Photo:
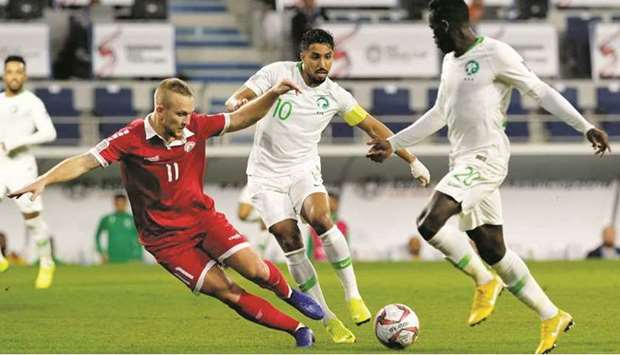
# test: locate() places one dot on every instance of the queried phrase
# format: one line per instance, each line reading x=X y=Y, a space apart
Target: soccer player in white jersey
x=478 y=76
x=284 y=169
x=24 y=121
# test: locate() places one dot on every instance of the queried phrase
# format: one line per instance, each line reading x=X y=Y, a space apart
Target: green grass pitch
x=142 y=309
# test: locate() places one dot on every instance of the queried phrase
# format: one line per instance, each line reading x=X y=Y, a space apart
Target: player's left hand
x=599 y=140
x=380 y=150
x=285 y=86
x=36 y=188
x=420 y=172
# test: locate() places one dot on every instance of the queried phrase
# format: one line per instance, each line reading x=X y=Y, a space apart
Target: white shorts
x=279 y=198
x=16 y=173
x=475 y=182
x=245 y=196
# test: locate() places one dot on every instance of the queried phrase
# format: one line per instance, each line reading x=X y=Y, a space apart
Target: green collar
x=476 y=42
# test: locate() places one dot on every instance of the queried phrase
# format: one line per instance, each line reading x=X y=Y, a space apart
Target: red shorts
x=190 y=259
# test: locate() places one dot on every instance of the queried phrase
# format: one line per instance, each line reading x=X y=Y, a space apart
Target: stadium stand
x=114 y=106
x=60 y=105
x=210 y=47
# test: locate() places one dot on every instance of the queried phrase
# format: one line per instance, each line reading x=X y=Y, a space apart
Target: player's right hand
x=380 y=150
x=36 y=188
x=285 y=86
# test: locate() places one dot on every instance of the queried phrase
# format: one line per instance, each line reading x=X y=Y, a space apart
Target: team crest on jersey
x=13 y=109
x=322 y=103
x=472 y=67
x=189 y=146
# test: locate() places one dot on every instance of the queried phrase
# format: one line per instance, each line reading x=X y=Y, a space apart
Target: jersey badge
x=472 y=67
x=189 y=146
x=322 y=103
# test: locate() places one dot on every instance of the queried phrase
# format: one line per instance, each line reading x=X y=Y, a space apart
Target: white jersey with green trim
x=474 y=94
x=25 y=122
x=287 y=138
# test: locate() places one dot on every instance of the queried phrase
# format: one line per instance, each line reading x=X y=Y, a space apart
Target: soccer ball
x=396 y=326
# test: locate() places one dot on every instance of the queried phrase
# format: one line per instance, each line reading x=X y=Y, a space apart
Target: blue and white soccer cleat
x=304 y=337
x=306 y=305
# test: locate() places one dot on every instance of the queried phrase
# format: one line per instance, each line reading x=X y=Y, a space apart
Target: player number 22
x=173 y=172
x=468 y=177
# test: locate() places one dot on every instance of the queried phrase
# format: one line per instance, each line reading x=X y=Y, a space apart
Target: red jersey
x=164 y=181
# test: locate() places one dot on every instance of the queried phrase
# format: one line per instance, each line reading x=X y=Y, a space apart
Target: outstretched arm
x=429 y=123
x=252 y=112
x=239 y=98
x=256 y=85
x=66 y=170
x=511 y=69
x=378 y=132
x=552 y=101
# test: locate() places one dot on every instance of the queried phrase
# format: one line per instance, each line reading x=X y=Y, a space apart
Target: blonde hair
x=175 y=85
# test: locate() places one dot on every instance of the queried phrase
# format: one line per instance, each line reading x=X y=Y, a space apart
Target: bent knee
x=430 y=223
x=287 y=235
x=321 y=222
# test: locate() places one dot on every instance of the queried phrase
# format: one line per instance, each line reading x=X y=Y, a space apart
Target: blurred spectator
x=415 y=8
x=314 y=246
x=123 y=245
x=74 y=59
x=608 y=249
x=527 y=9
x=414 y=247
x=476 y=11
x=307 y=15
x=12 y=257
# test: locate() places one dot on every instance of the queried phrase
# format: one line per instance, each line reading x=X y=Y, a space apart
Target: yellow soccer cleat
x=485 y=297
x=45 y=277
x=358 y=310
x=550 y=331
x=4 y=264
x=339 y=333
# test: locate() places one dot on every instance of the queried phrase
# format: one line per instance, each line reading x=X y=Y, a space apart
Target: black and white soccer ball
x=396 y=326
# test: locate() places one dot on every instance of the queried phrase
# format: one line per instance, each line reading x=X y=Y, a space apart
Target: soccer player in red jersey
x=162 y=160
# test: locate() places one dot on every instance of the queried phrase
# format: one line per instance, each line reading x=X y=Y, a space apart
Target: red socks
x=260 y=311
x=277 y=283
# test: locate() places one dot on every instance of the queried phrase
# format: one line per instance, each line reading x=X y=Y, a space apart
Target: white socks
x=454 y=244
x=339 y=256
x=37 y=228
x=305 y=276
x=516 y=275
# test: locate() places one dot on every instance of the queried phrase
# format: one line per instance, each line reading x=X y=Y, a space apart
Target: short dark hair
x=453 y=11
x=15 y=58
x=120 y=196
x=316 y=35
